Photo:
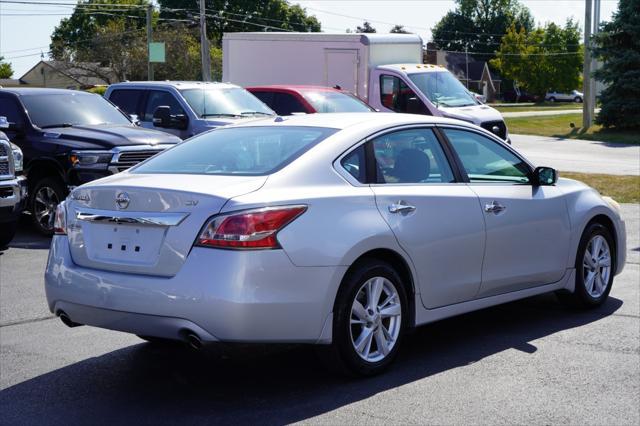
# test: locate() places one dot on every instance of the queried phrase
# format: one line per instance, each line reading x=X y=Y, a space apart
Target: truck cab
x=185 y=108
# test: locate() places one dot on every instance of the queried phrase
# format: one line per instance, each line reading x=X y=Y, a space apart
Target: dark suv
x=68 y=138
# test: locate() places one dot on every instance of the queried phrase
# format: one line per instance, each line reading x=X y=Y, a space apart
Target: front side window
x=396 y=95
x=161 y=98
x=224 y=102
x=485 y=160
x=71 y=109
x=248 y=151
x=411 y=156
x=9 y=109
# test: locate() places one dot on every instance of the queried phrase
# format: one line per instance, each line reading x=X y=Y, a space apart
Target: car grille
x=502 y=128
x=127 y=159
x=5 y=151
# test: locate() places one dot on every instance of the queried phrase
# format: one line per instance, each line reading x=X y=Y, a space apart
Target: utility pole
x=149 y=40
x=204 y=44
x=587 y=106
x=466 y=58
x=594 y=63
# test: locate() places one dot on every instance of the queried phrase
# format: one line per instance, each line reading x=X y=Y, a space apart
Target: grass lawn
x=558 y=126
x=623 y=189
x=542 y=106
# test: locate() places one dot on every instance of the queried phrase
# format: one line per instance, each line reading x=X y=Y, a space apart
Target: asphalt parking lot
x=531 y=361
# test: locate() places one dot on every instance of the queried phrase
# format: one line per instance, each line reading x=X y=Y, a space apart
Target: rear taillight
x=249 y=229
x=60 y=222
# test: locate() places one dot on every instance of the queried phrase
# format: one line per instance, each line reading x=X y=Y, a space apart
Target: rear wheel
x=47 y=194
x=595 y=262
x=370 y=315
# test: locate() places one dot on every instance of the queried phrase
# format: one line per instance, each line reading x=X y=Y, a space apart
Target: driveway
x=573 y=155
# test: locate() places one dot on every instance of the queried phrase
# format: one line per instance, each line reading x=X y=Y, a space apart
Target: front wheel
x=577 y=99
x=552 y=99
x=370 y=315
x=595 y=262
x=47 y=194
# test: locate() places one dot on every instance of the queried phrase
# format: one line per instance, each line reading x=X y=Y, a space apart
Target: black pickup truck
x=69 y=138
x=13 y=187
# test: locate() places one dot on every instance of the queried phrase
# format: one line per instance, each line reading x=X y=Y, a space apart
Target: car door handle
x=401 y=207
x=494 y=207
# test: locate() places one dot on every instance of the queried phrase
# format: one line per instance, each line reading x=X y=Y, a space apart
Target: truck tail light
x=249 y=229
x=60 y=222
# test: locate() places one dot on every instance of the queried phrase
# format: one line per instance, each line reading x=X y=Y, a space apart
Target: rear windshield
x=237 y=151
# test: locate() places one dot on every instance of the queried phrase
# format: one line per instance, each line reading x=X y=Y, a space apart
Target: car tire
x=577 y=99
x=595 y=268
x=7 y=232
x=376 y=332
x=552 y=99
x=47 y=193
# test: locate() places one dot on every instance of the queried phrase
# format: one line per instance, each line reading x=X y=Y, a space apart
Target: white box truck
x=385 y=70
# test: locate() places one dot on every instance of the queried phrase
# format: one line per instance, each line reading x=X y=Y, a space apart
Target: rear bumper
x=225 y=295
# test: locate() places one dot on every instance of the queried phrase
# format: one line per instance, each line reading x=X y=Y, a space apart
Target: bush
x=98 y=89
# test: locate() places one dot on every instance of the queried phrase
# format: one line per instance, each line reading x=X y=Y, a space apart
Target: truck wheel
x=7 y=231
x=46 y=195
x=552 y=99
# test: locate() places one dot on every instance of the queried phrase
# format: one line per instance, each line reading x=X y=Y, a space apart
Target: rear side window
x=127 y=100
x=241 y=151
x=161 y=98
x=266 y=97
x=286 y=104
x=354 y=163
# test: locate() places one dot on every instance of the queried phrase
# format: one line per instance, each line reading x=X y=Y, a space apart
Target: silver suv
x=186 y=108
x=13 y=189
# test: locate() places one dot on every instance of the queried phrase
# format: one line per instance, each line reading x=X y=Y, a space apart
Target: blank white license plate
x=126 y=244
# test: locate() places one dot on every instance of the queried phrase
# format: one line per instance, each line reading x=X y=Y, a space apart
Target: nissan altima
x=340 y=230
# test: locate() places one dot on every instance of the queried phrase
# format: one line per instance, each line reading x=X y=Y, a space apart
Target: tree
x=365 y=28
x=478 y=25
x=618 y=47
x=544 y=59
x=399 y=29
x=242 y=15
x=5 y=68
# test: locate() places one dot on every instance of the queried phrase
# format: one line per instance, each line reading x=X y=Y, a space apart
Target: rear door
x=527 y=226
x=435 y=217
x=341 y=69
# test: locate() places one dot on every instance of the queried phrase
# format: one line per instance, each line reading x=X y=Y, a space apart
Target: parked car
x=287 y=100
x=573 y=96
x=384 y=70
x=342 y=230
x=186 y=108
x=13 y=187
x=69 y=138
x=519 y=96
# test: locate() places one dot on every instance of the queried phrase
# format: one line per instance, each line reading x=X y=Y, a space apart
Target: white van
x=384 y=70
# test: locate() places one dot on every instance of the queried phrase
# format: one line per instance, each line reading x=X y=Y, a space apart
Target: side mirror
x=12 y=127
x=545 y=176
x=162 y=116
x=4 y=123
x=180 y=121
x=414 y=105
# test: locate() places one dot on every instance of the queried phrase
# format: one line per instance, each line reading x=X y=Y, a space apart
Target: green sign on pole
x=156 y=52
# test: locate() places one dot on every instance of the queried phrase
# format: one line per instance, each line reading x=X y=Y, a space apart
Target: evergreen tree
x=618 y=47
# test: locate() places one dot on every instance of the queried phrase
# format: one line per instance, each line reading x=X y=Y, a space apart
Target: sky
x=25 y=29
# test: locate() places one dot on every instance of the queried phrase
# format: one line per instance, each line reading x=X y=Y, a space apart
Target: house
x=68 y=75
x=471 y=72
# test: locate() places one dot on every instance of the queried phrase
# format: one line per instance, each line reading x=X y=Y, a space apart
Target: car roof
x=295 y=88
x=175 y=84
x=22 y=91
x=345 y=120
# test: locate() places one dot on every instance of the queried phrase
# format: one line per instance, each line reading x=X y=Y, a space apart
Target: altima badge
x=122 y=200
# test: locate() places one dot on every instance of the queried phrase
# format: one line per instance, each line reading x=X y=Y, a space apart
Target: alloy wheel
x=375 y=321
x=596 y=266
x=45 y=202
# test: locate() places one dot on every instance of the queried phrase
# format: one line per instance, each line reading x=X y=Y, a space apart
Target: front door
x=528 y=228
x=436 y=220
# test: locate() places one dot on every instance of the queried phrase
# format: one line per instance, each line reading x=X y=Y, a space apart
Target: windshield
x=244 y=151
x=325 y=101
x=232 y=102
x=443 y=89
x=71 y=109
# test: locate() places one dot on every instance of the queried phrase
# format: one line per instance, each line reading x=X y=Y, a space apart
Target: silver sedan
x=341 y=230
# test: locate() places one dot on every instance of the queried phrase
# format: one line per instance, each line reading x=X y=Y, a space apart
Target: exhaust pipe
x=194 y=341
x=67 y=321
